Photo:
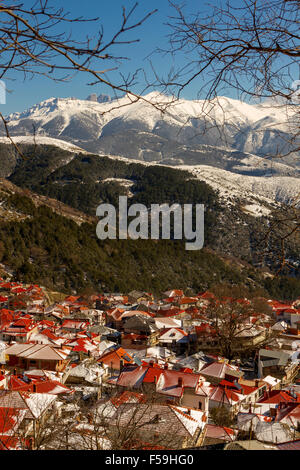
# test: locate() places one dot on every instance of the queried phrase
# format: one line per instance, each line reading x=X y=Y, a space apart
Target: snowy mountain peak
x=162 y=128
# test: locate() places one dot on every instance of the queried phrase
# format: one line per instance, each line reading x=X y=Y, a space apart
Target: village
x=115 y=371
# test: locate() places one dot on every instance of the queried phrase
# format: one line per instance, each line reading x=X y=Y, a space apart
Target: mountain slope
x=266 y=190
x=41 y=246
x=235 y=223
x=160 y=130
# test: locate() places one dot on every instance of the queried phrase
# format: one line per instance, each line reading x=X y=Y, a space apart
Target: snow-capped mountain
x=161 y=128
x=225 y=142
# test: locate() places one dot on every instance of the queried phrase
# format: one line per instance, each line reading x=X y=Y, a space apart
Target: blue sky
x=22 y=94
x=152 y=34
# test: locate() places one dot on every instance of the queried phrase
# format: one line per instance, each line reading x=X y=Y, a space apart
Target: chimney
x=166 y=367
x=151 y=363
x=179 y=381
x=34 y=388
x=256 y=383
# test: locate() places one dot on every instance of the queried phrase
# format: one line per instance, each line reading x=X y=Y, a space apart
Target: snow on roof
x=167 y=322
x=37 y=351
x=188 y=421
x=173 y=334
x=272 y=432
x=220 y=432
x=269 y=379
x=89 y=373
x=132 y=377
x=173 y=382
x=39 y=402
x=160 y=351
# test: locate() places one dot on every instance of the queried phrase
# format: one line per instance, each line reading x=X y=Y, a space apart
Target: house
x=218 y=434
x=46 y=336
x=108 y=408
x=141 y=325
x=289 y=414
x=273 y=432
x=167 y=322
x=42 y=356
x=82 y=348
x=272 y=382
x=272 y=400
x=279 y=327
x=107 y=334
x=29 y=383
x=187 y=302
x=176 y=339
x=218 y=371
x=247 y=422
x=237 y=395
x=134 y=341
x=195 y=362
x=3 y=346
x=174 y=293
x=35 y=407
x=184 y=388
x=223 y=397
x=19 y=330
x=165 y=385
x=166 y=426
x=115 y=359
x=142 y=378
x=87 y=374
x=137 y=296
x=280 y=364
x=74 y=325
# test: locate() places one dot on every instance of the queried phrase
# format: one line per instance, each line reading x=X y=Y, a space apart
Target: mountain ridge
x=259 y=129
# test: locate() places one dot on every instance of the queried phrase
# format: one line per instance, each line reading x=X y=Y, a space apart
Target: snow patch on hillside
x=267 y=191
x=256 y=210
x=42 y=140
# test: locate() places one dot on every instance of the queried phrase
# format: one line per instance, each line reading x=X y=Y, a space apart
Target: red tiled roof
x=220 y=432
x=9 y=418
x=153 y=373
x=223 y=395
x=188 y=300
x=279 y=396
x=173 y=382
x=115 y=356
x=16 y=382
x=127 y=397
